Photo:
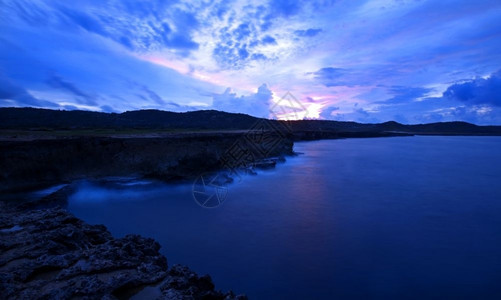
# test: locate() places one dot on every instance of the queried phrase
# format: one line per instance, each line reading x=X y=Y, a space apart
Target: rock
x=265 y=164
x=50 y=254
x=182 y=283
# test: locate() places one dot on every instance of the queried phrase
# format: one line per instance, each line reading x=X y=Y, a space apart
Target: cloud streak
x=57 y=82
x=14 y=95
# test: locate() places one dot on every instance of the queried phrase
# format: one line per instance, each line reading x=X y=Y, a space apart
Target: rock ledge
x=50 y=254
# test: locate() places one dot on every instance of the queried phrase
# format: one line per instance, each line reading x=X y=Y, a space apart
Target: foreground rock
x=50 y=254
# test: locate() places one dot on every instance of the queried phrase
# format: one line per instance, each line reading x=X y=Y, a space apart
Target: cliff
x=29 y=163
x=49 y=254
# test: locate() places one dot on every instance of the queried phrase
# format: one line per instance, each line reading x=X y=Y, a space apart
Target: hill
x=33 y=118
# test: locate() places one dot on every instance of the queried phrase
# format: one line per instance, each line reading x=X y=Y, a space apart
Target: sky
x=410 y=61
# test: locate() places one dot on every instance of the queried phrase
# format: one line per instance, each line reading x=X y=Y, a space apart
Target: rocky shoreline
x=47 y=253
x=50 y=254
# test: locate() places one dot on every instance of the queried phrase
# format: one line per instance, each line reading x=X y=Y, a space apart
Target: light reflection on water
x=381 y=218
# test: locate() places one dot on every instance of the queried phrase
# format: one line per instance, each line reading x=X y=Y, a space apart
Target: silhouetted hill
x=26 y=118
x=395 y=127
x=32 y=118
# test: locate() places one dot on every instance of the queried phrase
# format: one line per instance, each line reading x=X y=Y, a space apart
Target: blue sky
x=366 y=61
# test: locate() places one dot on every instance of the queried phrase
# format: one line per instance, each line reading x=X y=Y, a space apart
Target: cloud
x=259 y=31
x=257 y=104
x=147 y=25
x=477 y=114
x=327 y=112
x=82 y=97
x=477 y=91
x=403 y=94
x=153 y=96
x=237 y=45
x=333 y=77
x=14 y=95
x=475 y=101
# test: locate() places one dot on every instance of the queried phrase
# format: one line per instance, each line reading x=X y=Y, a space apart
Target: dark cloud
x=14 y=95
x=327 y=112
x=477 y=91
x=153 y=96
x=82 y=97
x=308 y=32
x=404 y=94
x=257 y=104
x=142 y=97
x=333 y=77
x=361 y=111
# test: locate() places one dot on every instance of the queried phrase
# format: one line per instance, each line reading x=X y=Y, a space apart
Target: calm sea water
x=380 y=218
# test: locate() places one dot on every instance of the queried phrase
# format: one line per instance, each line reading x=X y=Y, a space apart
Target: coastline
x=42 y=162
x=46 y=252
